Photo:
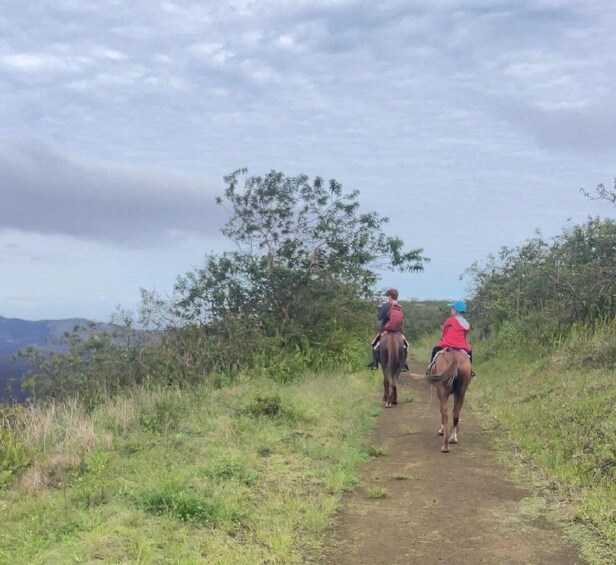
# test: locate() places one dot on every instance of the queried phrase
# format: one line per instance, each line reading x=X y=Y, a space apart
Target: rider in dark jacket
x=383 y=315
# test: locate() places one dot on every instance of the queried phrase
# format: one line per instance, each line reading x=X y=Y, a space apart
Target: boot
x=405 y=367
x=374 y=364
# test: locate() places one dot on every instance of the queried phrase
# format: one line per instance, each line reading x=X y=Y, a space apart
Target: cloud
x=37 y=63
x=44 y=191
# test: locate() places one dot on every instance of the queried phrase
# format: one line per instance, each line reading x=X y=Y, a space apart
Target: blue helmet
x=458 y=305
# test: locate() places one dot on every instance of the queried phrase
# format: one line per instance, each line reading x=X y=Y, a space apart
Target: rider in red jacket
x=455 y=331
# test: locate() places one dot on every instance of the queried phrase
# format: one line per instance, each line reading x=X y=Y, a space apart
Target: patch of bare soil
x=460 y=507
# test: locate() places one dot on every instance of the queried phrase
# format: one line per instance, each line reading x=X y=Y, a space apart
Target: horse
x=391 y=357
x=451 y=374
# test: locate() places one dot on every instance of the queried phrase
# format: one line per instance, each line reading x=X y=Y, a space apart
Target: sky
x=470 y=124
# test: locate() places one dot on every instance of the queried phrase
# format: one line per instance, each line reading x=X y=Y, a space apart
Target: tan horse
x=451 y=374
x=391 y=357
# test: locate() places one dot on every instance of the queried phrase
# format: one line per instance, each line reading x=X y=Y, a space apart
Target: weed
x=268 y=406
x=14 y=456
x=237 y=469
x=377 y=492
x=162 y=416
x=378 y=450
x=184 y=504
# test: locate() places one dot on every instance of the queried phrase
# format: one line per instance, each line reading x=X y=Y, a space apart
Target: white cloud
x=213 y=52
x=34 y=62
x=499 y=107
x=111 y=54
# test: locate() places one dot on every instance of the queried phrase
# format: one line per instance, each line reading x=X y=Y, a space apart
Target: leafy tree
x=549 y=285
x=423 y=317
x=306 y=261
x=301 y=278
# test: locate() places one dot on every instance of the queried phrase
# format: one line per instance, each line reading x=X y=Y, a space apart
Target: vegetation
x=559 y=413
x=423 y=317
x=547 y=312
x=602 y=193
x=543 y=288
x=296 y=295
x=214 y=434
x=250 y=473
x=226 y=428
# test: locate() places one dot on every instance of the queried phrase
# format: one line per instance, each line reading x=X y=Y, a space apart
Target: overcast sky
x=468 y=123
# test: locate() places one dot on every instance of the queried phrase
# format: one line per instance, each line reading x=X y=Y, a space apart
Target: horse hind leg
x=457 y=407
x=443 y=407
x=393 y=387
x=386 y=391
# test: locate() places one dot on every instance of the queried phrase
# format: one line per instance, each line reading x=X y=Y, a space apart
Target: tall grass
x=250 y=473
x=560 y=411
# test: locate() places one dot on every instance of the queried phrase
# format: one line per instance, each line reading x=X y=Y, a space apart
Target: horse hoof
x=444 y=450
x=453 y=440
x=395 y=402
x=387 y=405
x=441 y=433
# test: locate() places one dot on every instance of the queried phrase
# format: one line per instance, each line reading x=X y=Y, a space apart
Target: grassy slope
x=251 y=473
x=563 y=422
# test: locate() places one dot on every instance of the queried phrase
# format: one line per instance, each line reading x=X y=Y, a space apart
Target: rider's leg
x=405 y=367
x=374 y=364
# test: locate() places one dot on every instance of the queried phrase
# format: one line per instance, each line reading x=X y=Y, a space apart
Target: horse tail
x=394 y=358
x=447 y=376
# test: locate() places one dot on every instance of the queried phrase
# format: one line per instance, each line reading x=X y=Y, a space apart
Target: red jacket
x=455 y=330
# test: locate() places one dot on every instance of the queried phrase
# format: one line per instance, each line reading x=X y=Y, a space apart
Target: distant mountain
x=16 y=334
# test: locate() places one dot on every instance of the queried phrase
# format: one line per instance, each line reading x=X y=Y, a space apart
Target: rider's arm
x=383 y=313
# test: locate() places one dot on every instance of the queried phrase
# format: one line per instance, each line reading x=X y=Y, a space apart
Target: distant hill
x=16 y=334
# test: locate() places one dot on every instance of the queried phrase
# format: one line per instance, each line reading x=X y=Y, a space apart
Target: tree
x=602 y=193
x=570 y=279
x=306 y=259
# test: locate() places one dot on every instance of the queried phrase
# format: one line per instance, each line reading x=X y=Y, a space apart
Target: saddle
x=460 y=350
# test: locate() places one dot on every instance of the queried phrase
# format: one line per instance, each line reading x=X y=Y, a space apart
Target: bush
x=589 y=345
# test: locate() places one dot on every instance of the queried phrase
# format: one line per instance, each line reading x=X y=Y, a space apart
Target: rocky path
x=456 y=508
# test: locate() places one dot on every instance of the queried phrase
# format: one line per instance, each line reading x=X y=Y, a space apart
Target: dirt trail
x=456 y=508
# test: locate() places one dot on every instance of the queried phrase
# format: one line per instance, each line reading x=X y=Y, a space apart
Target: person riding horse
x=391 y=317
x=455 y=332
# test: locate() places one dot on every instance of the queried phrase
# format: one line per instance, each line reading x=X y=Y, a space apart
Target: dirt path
x=460 y=507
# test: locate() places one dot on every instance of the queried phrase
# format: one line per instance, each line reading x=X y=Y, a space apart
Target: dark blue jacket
x=383 y=313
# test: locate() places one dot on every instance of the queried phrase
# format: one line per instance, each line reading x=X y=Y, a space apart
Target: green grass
x=247 y=474
x=377 y=492
x=561 y=419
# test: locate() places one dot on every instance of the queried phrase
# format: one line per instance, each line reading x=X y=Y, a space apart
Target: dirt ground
x=461 y=507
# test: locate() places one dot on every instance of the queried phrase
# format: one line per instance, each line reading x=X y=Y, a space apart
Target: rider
x=455 y=331
x=390 y=315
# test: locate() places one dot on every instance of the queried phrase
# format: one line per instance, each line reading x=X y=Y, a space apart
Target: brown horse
x=391 y=357
x=451 y=374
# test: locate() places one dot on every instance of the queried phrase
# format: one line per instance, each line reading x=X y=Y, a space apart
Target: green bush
x=589 y=345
